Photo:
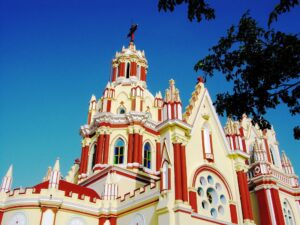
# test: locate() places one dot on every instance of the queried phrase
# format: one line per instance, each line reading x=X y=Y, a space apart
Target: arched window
x=165 y=176
x=287 y=213
x=117 y=71
x=138 y=70
x=251 y=154
x=94 y=156
x=207 y=143
x=121 y=110
x=147 y=155
x=274 y=156
x=128 y=70
x=119 y=152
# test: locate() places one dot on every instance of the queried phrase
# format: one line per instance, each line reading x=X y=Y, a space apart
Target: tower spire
x=7 y=180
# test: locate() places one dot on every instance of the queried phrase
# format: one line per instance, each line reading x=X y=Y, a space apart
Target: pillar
x=108 y=105
x=113 y=220
x=133 y=68
x=84 y=159
x=277 y=207
x=135 y=147
x=244 y=195
x=193 y=200
x=140 y=150
x=1 y=216
x=133 y=104
x=106 y=148
x=99 y=150
x=267 y=150
x=158 y=156
x=130 y=148
x=122 y=69
x=101 y=220
x=143 y=73
x=177 y=170
x=233 y=213
x=159 y=114
x=114 y=74
x=264 y=210
x=183 y=173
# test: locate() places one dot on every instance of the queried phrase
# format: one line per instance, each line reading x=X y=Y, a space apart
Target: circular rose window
x=212 y=195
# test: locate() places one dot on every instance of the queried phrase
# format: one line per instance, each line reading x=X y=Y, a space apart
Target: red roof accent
x=69 y=187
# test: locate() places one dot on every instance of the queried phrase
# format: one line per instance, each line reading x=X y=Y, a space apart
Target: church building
x=146 y=160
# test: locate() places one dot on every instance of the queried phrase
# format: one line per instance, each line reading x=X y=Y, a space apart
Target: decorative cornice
x=113 y=119
x=172 y=123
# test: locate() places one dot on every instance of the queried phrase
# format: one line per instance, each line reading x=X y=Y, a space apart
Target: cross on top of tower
x=132 y=30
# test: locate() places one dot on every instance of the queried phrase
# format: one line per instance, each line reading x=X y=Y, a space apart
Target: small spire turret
x=286 y=164
x=92 y=108
x=48 y=173
x=7 y=180
x=55 y=176
x=172 y=105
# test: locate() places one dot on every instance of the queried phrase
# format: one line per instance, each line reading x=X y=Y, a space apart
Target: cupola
x=129 y=66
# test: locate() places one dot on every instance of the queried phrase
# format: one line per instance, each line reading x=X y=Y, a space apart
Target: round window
x=210 y=179
x=223 y=199
x=218 y=187
x=205 y=205
x=213 y=213
x=221 y=210
x=200 y=192
x=212 y=196
x=203 y=181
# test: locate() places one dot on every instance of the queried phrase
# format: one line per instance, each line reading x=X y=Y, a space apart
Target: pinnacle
x=93 y=98
x=9 y=171
x=56 y=166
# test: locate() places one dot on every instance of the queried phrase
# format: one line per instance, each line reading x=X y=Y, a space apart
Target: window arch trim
x=215 y=172
x=119 y=151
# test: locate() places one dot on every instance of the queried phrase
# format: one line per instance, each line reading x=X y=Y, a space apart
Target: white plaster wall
x=64 y=218
x=33 y=216
x=150 y=218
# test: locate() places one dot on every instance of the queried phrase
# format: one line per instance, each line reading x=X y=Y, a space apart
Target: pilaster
x=241 y=172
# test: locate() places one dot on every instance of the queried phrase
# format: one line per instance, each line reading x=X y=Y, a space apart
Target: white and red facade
x=144 y=160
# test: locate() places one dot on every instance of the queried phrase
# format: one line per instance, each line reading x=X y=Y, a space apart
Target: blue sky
x=55 y=54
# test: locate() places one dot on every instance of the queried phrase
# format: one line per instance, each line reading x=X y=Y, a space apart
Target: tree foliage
x=196 y=9
x=282 y=7
x=262 y=64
